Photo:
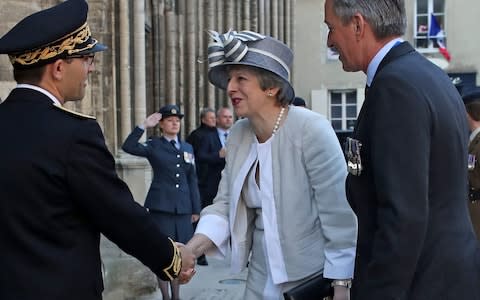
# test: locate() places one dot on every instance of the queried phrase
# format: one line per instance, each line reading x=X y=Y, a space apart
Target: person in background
x=407 y=183
x=197 y=138
x=281 y=203
x=208 y=121
x=299 y=102
x=173 y=199
x=472 y=105
x=58 y=186
x=210 y=155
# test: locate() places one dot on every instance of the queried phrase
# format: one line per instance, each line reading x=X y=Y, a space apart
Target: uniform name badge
x=352 y=153
x=188 y=157
x=471 y=161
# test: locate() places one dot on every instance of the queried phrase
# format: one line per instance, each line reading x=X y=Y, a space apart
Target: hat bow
x=230 y=46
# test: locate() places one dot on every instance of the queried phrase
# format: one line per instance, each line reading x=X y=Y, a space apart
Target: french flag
x=436 y=33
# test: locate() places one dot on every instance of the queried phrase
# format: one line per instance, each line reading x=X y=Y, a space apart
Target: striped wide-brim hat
x=251 y=49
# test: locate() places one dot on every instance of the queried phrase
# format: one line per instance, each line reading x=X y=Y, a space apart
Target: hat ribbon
x=230 y=46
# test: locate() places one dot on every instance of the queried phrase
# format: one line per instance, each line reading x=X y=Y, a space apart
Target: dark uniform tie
x=174 y=143
x=366 y=90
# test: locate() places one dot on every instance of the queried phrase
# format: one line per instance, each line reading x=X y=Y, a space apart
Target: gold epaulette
x=173 y=270
x=73 y=112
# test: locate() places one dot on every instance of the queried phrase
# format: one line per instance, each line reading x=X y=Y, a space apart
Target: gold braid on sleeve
x=173 y=270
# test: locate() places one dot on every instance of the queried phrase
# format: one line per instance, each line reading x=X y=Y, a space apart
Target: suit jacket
x=311 y=209
x=174 y=186
x=58 y=192
x=415 y=239
x=210 y=164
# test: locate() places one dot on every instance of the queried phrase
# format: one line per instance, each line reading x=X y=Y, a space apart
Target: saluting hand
x=152 y=120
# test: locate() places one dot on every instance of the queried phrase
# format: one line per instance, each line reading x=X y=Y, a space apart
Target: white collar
x=41 y=90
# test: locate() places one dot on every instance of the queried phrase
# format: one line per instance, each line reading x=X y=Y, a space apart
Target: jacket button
x=178 y=165
x=177 y=186
x=178 y=155
x=177 y=175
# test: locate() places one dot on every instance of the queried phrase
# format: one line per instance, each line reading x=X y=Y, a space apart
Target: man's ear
x=57 y=69
x=358 y=23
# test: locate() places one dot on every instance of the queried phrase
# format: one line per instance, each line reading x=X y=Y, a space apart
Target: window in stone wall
x=429 y=25
x=343 y=109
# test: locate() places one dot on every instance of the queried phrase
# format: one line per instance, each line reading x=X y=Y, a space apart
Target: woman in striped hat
x=281 y=203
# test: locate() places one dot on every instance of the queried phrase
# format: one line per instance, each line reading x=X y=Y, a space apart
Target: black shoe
x=202 y=261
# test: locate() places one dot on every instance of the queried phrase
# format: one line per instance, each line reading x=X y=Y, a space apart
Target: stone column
x=139 y=60
x=125 y=84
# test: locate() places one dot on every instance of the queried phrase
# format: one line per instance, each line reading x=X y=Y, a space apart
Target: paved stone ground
x=212 y=282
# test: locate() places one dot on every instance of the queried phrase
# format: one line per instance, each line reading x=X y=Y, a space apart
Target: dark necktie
x=174 y=143
x=366 y=90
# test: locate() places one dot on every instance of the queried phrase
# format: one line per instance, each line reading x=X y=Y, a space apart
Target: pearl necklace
x=277 y=123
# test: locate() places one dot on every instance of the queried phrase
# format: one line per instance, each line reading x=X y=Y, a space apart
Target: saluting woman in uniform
x=173 y=198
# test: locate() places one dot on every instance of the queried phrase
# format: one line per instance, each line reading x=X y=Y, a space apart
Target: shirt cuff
x=216 y=229
x=339 y=263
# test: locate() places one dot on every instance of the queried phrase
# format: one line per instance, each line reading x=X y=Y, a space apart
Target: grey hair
x=386 y=17
x=267 y=80
x=204 y=111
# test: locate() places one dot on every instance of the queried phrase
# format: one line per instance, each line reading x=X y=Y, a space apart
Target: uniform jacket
x=174 y=186
x=58 y=192
x=474 y=175
x=211 y=164
x=415 y=238
x=308 y=185
x=474 y=182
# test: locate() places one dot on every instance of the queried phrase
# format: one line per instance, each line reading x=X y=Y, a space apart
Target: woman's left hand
x=195 y=218
x=341 y=293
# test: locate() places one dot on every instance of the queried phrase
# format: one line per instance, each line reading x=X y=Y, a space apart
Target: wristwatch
x=342 y=282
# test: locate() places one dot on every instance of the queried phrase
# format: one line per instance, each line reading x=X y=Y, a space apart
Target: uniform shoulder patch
x=73 y=112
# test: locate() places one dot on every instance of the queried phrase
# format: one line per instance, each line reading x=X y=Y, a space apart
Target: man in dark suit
x=58 y=185
x=208 y=121
x=407 y=160
x=196 y=138
x=210 y=156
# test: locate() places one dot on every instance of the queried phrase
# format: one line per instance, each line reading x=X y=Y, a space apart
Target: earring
x=270 y=94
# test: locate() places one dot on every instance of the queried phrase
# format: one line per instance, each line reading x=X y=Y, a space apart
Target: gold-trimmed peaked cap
x=50 y=34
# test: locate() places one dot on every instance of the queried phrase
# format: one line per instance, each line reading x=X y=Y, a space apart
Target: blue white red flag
x=436 y=33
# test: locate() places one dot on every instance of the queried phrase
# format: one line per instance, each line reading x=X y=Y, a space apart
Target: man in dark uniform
x=58 y=185
x=407 y=161
x=472 y=105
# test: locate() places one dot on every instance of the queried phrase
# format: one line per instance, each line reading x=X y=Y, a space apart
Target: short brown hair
x=473 y=109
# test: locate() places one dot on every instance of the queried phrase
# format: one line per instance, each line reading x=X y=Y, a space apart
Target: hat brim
x=171 y=115
x=218 y=76
x=97 y=48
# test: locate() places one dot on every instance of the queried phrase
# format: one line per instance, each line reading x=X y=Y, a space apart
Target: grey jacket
x=312 y=212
